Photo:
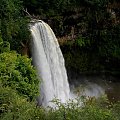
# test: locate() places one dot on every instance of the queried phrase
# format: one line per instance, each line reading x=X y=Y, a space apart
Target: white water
x=49 y=61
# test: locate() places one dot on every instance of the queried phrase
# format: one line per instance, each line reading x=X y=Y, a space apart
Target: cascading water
x=48 y=59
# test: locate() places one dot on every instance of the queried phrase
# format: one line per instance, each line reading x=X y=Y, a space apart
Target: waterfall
x=49 y=62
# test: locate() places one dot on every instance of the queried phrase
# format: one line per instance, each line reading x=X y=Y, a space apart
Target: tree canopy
x=13 y=23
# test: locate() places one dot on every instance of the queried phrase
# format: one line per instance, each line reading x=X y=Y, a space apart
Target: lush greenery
x=13 y=23
x=16 y=72
x=18 y=84
x=15 y=107
x=93 y=29
x=93 y=25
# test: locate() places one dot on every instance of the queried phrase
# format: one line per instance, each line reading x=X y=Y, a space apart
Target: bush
x=4 y=46
x=16 y=107
x=17 y=72
x=91 y=110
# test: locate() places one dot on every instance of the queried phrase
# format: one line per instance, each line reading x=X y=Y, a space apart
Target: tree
x=13 y=24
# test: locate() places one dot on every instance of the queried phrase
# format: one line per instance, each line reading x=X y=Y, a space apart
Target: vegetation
x=93 y=25
x=17 y=107
x=13 y=23
x=93 y=28
x=16 y=72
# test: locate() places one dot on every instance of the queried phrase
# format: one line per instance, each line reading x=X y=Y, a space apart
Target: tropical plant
x=17 y=72
x=13 y=23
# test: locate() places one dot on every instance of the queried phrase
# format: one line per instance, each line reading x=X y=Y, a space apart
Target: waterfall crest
x=49 y=62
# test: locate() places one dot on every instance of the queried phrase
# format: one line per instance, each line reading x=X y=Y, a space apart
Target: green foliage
x=96 y=30
x=17 y=72
x=97 y=47
x=4 y=46
x=14 y=106
x=81 y=41
x=90 y=109
x=116 y=109
x=82 y=59
x=111 y=39
x=13 y=25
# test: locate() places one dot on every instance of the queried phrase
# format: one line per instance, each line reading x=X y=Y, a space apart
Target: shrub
x=17 y=72
x=16 y=107
x=90 y=110
x=4 y=46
